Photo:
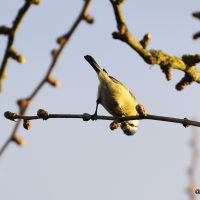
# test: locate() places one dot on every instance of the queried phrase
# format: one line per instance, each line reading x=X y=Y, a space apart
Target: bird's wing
x=117 y=110
x=116 y=81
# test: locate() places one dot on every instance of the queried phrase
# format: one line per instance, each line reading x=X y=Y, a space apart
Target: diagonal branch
x=62 y=41
x=186 y=64
x=10 y=52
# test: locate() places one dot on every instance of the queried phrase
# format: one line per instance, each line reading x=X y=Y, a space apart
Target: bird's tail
x=93 y=63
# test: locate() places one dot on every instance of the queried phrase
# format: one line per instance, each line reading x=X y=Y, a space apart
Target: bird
x=116 y=98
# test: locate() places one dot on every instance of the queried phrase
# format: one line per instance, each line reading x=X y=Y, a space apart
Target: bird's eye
x=132 y=125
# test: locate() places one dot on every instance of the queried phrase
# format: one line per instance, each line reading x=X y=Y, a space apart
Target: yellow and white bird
x=115 y=97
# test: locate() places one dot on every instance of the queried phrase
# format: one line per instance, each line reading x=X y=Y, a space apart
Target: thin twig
x=11 y=32
x=187 y=63
x=196 y=15
x=193 y=190
x=63 y=40
x=42 y=114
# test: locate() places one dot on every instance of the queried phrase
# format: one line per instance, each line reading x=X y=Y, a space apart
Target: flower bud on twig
x=18 y=139
x=16 y=56
x=89 y=19
x=185 y=81
x=53 y=82
x=36 y=2
x=141 y=110
x=54 y=53
x=43 y=114
x=23 y=103
x=27 y=124
x=10 y=115
x=62 y=40
x=4 y=30
x=146 y=40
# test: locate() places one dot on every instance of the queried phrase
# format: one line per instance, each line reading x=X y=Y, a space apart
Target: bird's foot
x=94 y=116
x=114 y=125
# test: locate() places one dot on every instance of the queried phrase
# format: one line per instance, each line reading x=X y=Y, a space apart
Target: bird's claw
x=114 y=125
x=94 y=116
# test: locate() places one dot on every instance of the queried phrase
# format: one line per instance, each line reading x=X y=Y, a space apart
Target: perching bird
x=115 y=97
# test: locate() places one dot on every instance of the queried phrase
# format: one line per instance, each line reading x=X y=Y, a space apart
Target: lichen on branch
x=186 y=63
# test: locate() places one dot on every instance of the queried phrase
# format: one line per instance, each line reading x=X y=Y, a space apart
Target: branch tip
x=10 y=115
x=53 y=82
x=196 y=35
x=18 y=140
x=196 y=14
x=35 y=2
x=191 y=60
x=117 y=35
x=4 y=74
x=27 y=124
x=117 y=2
x=4 y=30
x=16 y=56
x=89 y=19
x=183 y=83
x=146 y=40
x=167 y=71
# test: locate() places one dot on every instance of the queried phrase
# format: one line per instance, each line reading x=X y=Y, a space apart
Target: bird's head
x=129 y=127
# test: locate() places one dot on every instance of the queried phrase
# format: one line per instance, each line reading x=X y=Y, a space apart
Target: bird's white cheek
x=129 y=130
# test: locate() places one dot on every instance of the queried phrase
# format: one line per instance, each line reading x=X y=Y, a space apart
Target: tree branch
x=42 y=114
x=187 y=63
x=10 y=52
x=24 y=103
x=193 y=190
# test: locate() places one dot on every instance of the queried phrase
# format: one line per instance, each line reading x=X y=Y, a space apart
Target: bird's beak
x=93 y=63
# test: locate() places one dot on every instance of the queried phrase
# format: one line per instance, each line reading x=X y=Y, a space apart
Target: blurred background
x=73 y=159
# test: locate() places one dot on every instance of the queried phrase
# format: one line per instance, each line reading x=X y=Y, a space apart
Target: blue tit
x=115 y=97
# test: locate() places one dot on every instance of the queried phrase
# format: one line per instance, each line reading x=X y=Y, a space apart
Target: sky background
x=72 y=159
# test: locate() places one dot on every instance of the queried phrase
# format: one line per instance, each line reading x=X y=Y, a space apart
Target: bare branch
x=192 y=188
x=42 y=114
x=24 y=103
x=11 y=32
